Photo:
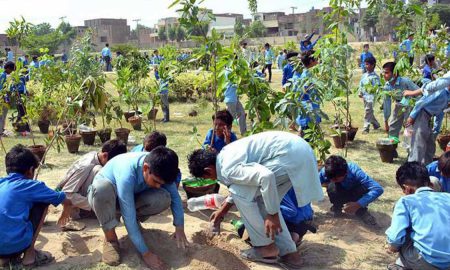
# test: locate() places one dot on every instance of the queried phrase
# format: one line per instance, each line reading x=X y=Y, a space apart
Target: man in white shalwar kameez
x=258 y=171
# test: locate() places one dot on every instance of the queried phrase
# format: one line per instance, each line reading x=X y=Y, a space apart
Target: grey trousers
x=369 y=116
x=102 y=197
x=237 y=111
x=165 y=106
x=397 y=119
x=423 y=145
x=411 y=259
x=253 y=213
x=4 y=114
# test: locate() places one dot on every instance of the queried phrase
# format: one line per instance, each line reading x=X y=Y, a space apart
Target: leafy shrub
x=191 y=85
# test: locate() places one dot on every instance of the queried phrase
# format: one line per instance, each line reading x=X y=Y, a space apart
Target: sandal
x=40 y=258
x=74 y=226
x=252 y=255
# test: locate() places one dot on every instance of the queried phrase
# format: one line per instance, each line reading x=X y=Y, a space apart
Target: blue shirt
x=10 y=56
x=125 y=172
x=290 y=210
x=368 y=78
x=156 y=60
x=363 y=57
x=268 y=56
x=304 y=47
x=106 y=52
x=427 y=72
x=218 y=143
x=400 y=85
x=425 y=218
x=230 y=94
x=288 y=72
x=163 y=87
x=309 y=100
x=406 y=46
x=17 y=196
x=21 y=86
x=355 y=177
x=438 y=84
x=433 y=104
x=280 y=60
x=433 y=170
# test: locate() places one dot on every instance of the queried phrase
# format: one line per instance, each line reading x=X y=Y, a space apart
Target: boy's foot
x=337 y=211
x=368 y=219
x=394 y=266
x=111 y=253
x=376 y=127
x=40 y=258
x=254 y=255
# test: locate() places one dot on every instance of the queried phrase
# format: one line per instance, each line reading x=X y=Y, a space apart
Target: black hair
x=244 y=44
x=10 y=65
x=254 y=64
x=225 y=116
x=335 y=166
x=114 y=148
x=267 y=45
x=390 y=66
x=291 y=54
x=107 y=44
x=199 y=160
x=307 y=57
x=412 y=173
x=20 y=159
x=154 y=139
x=366 y=45
x=444 y=164
x=163 y=162
x=429 y=58
x=155 y=51
x=371 y=60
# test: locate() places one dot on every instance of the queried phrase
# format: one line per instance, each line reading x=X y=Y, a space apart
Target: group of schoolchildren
x=270 y=186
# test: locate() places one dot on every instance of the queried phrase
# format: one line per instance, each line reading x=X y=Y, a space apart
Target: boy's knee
x=101 y=193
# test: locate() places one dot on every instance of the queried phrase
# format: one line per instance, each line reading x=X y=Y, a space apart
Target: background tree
x=17 y=31
x=172 y=32
x=239 y=27
x=443 y=11
x=256 y=29
x=370 y=20
x=162 y=35
x=43 y=36
x=181 y=33
x=42 y=29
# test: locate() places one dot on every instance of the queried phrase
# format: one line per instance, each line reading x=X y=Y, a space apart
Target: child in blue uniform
x=349 y=188
x=419 y=230
x=440 y=169
x=222 y=135
x=23 y=207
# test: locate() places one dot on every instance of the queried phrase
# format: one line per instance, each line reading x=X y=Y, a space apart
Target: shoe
x=376 y=127
x=337 y=211
x=368 y=219
x=111 y=253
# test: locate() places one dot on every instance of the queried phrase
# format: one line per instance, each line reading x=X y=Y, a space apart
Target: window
x=103 y=39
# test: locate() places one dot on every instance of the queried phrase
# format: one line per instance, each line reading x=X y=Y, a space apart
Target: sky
x=149 y=11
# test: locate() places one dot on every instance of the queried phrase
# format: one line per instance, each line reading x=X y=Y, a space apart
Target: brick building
x=112 y=31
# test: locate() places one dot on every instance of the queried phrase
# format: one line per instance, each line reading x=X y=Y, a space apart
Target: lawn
x=339 y=243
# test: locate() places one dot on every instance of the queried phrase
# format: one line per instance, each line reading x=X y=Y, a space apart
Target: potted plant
x=387 y=149
x=444 y=137
x=121 y=133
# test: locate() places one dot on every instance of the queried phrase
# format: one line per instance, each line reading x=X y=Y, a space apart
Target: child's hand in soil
x=180 y=236
x=351 y=207
x=153 y=261
x=65 y=215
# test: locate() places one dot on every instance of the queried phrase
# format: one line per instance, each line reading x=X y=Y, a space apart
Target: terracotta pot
x=69 y=129
x=88 y=137
x=38 y=151
x=351 y=133
x=73 y=143
x=443 y=140
x=104 y=134
x=130 y=113
x=136 y=122
x=387 y=152
x=194 y=192
x=43 y=126
x=339 y=140
x=122 y=134
x=152 y=114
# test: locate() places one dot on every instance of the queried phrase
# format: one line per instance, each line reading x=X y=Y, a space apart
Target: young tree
x=256 y=29
x=370 y=20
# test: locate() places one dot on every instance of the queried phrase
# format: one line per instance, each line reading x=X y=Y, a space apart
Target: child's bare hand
x=227 y=134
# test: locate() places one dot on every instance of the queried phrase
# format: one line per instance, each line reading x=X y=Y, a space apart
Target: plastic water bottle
x=210 y=201
x=407 y=136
